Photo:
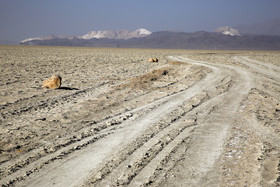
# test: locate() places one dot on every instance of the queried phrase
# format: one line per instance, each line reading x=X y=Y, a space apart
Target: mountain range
x=249 y=38
x=173 y=40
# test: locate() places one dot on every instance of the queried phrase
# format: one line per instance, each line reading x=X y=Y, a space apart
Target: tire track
x=152 y=144
x=114 y=140
x=267 y=66
x=202 y=158
x=62 y=150
x=135 y=127
x=146 y=176
x=18 y=109
x=270 y=71
x=125 y=178
x=156 y=144
x=35 y=157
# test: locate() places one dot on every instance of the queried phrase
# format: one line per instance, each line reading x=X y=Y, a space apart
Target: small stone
x=52 y=149
x=153 y=60
x=98 y=176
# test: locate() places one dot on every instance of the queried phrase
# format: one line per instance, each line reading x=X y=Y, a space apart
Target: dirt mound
x=177 y=63
x=145 y=81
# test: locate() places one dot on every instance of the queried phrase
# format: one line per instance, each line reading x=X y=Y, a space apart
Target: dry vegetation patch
x=147 y=79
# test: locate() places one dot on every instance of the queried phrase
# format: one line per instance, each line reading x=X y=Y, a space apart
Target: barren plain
x=195 y=118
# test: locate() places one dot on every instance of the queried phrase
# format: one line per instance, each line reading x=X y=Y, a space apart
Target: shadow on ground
x=67 y=88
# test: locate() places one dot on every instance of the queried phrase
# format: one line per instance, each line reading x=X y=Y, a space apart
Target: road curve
x=180 y=139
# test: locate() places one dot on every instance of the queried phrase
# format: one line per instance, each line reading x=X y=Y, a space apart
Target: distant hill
x=172 y=40
x=267 y=28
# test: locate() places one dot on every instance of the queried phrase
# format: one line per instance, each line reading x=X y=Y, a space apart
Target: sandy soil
x=195 y=118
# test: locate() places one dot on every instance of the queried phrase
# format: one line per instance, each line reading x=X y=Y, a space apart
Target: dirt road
x=196 y=118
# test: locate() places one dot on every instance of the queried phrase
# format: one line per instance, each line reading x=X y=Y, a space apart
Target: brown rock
x=53 y=82
x=153 y=60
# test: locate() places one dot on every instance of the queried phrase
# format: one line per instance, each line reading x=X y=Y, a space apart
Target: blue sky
x=20 y=19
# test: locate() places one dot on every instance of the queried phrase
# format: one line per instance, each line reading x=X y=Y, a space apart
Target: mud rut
x=188 y=138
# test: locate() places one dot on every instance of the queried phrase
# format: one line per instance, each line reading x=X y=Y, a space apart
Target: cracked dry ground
x=195 y=118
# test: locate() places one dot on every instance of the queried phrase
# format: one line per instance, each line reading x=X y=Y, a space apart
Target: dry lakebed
x=194 y=118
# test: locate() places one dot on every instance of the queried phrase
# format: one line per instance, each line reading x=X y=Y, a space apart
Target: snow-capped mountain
x=118 y=34
x=141 y=33
x=49 y=37
x=38 y=38
x=173 y=40
x=109 y=34
x=228 y=31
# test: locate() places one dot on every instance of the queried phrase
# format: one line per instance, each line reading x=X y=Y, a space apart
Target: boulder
x=153 y=60
x=53 y=82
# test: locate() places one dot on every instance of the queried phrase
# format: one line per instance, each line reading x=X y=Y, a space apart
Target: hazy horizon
x=24 y=19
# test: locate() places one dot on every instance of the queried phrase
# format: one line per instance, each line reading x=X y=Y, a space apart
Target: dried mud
x=195 y=118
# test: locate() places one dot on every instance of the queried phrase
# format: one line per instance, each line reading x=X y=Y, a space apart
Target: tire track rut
x=132 y=129
x=174 y=139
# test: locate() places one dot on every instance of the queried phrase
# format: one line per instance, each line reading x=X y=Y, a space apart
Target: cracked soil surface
x=195 y=118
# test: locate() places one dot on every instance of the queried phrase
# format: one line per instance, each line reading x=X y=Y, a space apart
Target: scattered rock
x=153 y=60
x=98 y=176
x=53 y=83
